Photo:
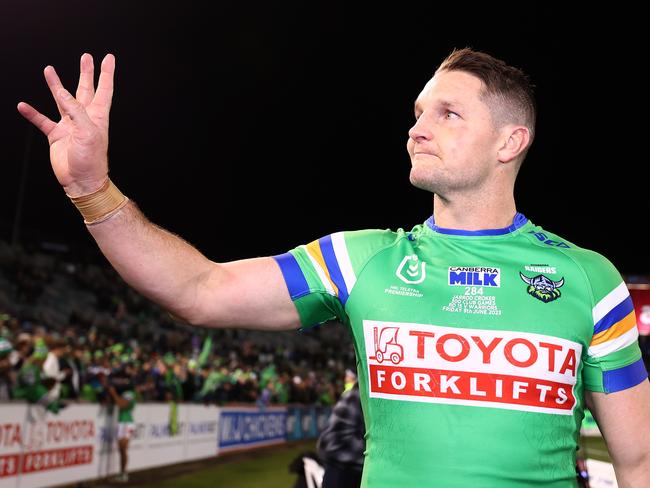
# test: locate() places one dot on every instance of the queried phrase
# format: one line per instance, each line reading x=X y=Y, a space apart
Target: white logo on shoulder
x=413 y=273
x=541 y=269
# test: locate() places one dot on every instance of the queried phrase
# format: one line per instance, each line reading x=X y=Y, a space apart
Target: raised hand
x=79 y=141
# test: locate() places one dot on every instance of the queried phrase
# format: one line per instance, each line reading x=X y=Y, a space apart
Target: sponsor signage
x=38 y=448
x=474 y=276
x=246 y=427
x=484 y=368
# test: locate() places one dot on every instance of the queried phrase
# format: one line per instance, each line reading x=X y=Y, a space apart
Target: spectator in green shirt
x=32 y=385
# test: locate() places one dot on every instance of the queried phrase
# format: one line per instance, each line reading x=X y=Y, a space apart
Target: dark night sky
x=302 y=112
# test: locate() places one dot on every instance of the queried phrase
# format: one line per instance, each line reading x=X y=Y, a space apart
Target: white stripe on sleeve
x=343 y=258
x=613 y=298
x=615 y=344
x=320 y=272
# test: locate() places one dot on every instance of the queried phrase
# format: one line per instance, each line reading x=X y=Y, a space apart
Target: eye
x=451 y=115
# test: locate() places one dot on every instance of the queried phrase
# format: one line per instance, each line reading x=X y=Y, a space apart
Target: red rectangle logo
x=460 y=386
x=36 y=461
x=486 y=368
x=9 y=465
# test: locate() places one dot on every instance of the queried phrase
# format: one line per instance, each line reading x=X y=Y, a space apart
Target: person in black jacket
x=341 y=445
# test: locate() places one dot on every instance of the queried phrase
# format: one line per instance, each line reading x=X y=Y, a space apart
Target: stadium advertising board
x=201 y=431
x=245 y=427
x=42 y=449
x=38 y=448
x=306 y=422
x=155 y=442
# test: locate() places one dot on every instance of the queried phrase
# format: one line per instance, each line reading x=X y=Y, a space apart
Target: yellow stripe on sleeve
x=314 y=250
x=616 y=330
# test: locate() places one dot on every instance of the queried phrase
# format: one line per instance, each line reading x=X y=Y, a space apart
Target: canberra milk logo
x=414 y=272
x=474 y=276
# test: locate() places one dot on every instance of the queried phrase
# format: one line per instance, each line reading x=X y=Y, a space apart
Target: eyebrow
x=443 y=103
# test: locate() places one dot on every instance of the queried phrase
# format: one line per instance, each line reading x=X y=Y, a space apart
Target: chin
x=421 y=178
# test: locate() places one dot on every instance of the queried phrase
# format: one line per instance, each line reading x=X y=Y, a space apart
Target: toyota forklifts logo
x=411 y=270
x=506 y=369
x=386 y=345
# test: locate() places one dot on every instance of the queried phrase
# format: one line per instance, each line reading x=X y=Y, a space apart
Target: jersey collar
x=519 y=221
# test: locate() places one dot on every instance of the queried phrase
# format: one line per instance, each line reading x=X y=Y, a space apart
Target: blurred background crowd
x=70 y=327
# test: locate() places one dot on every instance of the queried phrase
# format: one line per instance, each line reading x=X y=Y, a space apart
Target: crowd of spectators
x=70 y=326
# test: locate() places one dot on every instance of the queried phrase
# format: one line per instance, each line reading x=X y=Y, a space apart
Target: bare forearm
x=632 y=466
x=623 y=419
x=634 y=476
x=157 y=263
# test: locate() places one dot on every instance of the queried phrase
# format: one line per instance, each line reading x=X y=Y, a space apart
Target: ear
x=515 y=140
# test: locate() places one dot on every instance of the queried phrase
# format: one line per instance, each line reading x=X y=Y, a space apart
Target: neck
x=475 y=212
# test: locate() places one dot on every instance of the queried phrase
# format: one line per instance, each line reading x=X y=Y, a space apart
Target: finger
x=86 y=87
x=54 y=83
x=104 y=93
x=71 y=108
x=44 y=124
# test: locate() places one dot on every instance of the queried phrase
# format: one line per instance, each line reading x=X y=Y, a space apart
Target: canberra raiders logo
x=543 y=288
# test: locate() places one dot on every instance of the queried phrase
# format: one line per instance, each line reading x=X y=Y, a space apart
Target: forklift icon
x=386 y=345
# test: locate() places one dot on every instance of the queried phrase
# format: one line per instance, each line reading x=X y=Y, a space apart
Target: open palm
x=79 y=141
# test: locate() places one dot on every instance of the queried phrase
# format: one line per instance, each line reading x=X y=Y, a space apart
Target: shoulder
x=363 y=240
x=364 y=243
x=348 y=251
x=598 y=270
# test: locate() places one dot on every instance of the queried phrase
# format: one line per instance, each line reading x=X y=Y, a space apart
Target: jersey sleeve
x=613 y=361
x=321 y=275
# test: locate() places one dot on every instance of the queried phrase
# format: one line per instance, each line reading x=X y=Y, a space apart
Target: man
x=481 y=337
x=341 y=444
x=125 y=400
x=33 y=386
x=52 y=366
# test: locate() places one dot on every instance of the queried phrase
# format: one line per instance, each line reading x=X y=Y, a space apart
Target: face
x=453 y=144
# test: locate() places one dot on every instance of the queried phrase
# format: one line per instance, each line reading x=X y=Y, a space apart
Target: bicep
x=250 y=293
x=624 y=420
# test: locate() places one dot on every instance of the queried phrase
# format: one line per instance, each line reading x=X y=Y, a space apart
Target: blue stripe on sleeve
x=615 y=315
x=625 y=377
x=293 y=275
x=327 y=248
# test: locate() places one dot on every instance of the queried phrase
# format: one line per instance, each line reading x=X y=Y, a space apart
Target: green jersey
x=125 y=414
x=474 y=348
x=30 y=385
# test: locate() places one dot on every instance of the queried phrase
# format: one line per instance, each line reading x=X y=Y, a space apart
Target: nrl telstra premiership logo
x=411 y=270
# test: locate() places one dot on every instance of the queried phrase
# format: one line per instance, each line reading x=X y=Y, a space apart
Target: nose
x=420 y=132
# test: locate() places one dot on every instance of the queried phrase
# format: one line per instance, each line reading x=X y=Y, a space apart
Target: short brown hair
x=507 y=91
